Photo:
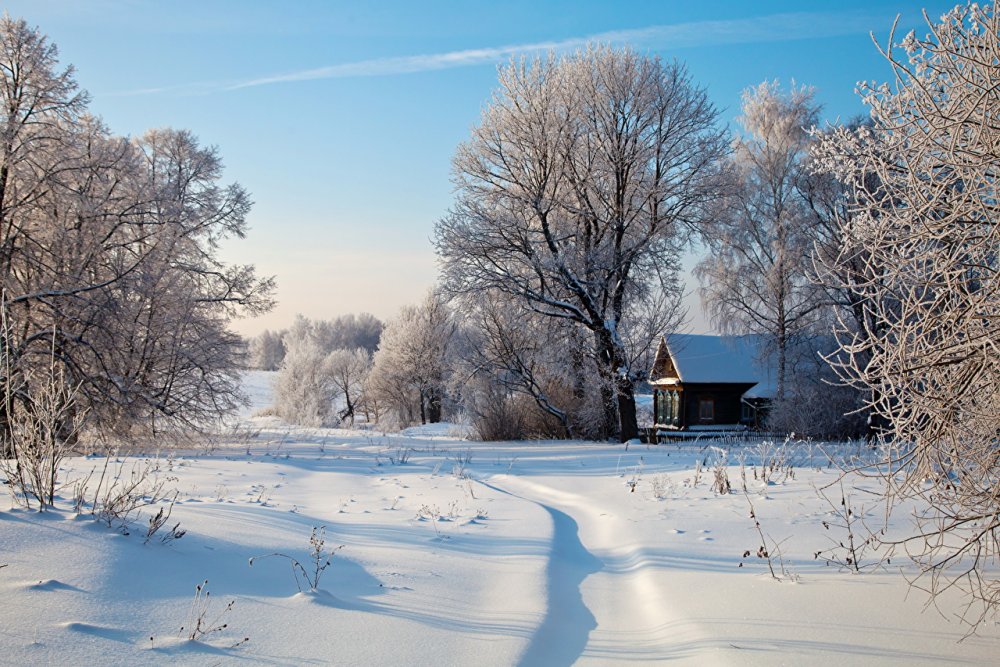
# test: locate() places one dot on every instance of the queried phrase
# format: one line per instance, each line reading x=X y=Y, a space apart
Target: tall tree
x=575 y=193
x=109 y=260
x=754 y=278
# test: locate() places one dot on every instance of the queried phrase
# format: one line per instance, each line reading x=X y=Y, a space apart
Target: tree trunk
x=433 y=407
x=349 y=411
x=617 y=393
x=626 y=410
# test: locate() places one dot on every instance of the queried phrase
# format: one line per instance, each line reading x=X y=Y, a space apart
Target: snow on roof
x=733 y=359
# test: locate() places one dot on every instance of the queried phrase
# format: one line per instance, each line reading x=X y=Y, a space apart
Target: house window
x=668 y=407
x=706 y=410
x=746 y=412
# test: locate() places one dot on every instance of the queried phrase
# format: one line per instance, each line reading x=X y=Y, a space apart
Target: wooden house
x=706 y=383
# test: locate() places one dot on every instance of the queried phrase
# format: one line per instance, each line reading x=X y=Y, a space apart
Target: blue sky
x=341 y=117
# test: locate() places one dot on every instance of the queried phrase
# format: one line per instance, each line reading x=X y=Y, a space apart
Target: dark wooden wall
x=727 y=402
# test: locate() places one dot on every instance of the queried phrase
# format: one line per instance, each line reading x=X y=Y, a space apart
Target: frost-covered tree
x=840 y=266
x=926 y=228
x=267 y=350
x=409 y=373
x=348 y=370
x=754 y=277
x=349 y=332
x=109 y=257
x=304 y=388
x=314 y=376
x=576 y=191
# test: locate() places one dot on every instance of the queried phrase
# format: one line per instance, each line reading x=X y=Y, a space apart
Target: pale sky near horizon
x=341 y=118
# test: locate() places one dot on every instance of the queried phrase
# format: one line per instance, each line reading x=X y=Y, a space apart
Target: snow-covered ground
x=537 y=553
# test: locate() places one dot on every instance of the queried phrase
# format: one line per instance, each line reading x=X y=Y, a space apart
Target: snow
x=535 y=553
x=736 y=359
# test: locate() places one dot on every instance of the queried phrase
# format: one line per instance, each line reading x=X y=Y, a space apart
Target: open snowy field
x=456 y=552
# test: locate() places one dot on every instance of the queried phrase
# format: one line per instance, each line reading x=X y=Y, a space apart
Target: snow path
x=596 y=586
x=563 y=633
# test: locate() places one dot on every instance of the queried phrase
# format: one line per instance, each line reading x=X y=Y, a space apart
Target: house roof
x=696 y=358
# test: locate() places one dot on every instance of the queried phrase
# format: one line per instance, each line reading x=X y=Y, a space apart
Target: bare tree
x=579 y=185
x=754 y=279
x=109 y=257
x=925 y=229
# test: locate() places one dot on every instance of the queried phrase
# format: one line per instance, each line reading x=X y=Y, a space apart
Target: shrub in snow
x=159 y=520
x=816 y=403
x=519 y=375
x=119 y=496
x=493 y=413
x=202 y=622
x=923 y=231
x=320 y=558
x=720 y=472
x=41 y=426
x=663 y=487
x=853 y=541
x=768 y=550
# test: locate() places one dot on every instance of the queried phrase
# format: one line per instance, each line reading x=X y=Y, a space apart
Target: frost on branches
x=924 y=225
x=754 y=277
x=575 y=194
x=110 y=272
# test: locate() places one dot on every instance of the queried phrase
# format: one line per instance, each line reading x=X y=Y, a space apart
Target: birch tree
x=754 y=278
x=584 y=177
x=927 y=232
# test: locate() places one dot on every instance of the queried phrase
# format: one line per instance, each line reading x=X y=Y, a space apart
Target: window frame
x=704 y=402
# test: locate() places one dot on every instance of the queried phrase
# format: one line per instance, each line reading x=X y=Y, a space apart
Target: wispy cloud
x=771 y=28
